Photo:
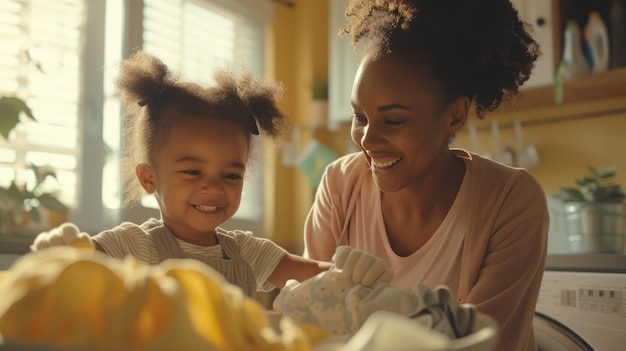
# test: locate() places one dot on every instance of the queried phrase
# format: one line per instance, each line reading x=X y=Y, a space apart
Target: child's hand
x=66 y=234
x=361 y=267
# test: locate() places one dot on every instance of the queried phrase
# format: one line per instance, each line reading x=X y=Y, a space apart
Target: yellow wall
x=299 y=54
x=568 y=138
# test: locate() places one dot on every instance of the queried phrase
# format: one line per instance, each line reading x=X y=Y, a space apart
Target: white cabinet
x=342 y=67
x=538 y=14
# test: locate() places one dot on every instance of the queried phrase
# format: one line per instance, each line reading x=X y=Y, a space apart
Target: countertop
x=611 y=263
x=606 y=263
x=15 y=244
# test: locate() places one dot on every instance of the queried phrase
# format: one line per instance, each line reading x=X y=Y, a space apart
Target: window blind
x=57 y=57
x=194 y=36
x=40 y=62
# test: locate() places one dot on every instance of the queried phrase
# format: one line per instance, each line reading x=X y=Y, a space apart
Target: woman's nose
x=371 y=136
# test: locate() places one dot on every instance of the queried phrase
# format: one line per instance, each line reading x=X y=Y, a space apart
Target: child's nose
x=212 y=186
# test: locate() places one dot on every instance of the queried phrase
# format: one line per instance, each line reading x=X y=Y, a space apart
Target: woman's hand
x=67 y=234
x=362 y=267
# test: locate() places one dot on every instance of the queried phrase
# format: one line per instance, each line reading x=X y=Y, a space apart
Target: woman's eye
x=358 y=119
x=393 y=122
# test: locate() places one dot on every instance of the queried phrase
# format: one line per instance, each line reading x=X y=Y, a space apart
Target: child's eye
x=233 y=176
x=191 y=172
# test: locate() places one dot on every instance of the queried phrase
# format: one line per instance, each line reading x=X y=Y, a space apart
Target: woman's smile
x=385 y=163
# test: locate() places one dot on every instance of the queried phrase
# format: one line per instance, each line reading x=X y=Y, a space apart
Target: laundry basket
x=390 y=331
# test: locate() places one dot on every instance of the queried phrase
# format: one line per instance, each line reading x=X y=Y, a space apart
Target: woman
x=436 y=215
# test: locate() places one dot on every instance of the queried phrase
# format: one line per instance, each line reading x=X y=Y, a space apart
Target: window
x=40 y=62
x=60 y=61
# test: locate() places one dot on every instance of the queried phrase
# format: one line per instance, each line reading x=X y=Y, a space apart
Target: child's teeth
x=206 y=208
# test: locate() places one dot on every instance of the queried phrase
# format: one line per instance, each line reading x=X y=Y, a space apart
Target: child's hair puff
x=148 y=90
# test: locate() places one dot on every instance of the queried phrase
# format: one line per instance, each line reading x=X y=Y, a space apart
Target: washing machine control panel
x=598 y=298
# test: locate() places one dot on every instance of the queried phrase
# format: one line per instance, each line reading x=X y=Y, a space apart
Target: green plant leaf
x=597 y=187
x=586 y=180
x=616 y=195
x=320 y=89
x=593 y=171
x=52 y=203
x=16 y=194
x=607 y=172
x=570 y=195
x=34 y=214
x=8 y=200
x=41 y=173
x=10 y=111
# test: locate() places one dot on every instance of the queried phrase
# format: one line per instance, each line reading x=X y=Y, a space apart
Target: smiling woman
x=435 y=214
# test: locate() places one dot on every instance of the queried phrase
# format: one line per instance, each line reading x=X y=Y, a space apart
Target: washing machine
x=582 y=303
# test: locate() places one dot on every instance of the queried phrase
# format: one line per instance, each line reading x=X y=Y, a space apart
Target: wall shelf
x=588 y=87
x=587 y=96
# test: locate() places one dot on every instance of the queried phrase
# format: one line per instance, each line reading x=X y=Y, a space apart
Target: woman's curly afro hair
x=476 y=48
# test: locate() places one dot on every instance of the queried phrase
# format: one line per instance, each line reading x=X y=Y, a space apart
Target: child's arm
x=362 y=268
x=295 y=267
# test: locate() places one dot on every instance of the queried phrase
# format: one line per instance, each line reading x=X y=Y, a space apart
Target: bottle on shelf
x=573 y=61
x=597 y=40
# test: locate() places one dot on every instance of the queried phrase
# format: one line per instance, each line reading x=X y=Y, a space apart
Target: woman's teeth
x=205 y=208
x=386 y=164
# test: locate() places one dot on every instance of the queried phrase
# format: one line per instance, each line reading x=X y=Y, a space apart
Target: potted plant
x=11 y=109
x=319 y=104
x=595 y=212
x=20 y=203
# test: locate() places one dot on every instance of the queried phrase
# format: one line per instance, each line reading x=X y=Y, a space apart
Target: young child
x=190 y=146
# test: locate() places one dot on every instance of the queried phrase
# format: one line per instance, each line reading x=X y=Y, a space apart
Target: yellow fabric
x=70 y=297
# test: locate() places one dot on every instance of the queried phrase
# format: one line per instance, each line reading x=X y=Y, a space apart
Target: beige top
x=230 y=265
x=262 y=255
x=490 y=250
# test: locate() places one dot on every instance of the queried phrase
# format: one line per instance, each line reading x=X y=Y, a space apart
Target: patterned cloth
x=332 y=301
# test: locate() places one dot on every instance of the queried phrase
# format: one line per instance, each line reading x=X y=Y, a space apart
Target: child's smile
x=198 y=174
x=203 y=208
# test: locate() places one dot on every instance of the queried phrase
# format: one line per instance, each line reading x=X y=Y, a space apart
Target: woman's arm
x=323 y=222
x=509 y=279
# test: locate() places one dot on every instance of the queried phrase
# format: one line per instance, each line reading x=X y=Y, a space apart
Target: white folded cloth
x=341 y=300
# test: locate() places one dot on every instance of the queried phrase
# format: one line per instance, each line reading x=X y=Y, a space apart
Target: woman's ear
x=457 y=114
x=145 y=174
